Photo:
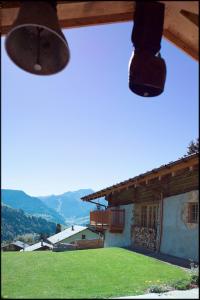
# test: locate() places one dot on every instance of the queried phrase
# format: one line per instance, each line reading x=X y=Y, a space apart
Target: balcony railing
x=111 y=219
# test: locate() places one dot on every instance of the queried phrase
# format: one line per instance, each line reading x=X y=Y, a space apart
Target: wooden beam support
x=194 y=18
x=86 y=13
x=97 y=203
x=77 y=13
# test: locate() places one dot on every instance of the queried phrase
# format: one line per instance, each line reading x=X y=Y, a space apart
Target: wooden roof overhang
x=180 y=24
x=171 y=168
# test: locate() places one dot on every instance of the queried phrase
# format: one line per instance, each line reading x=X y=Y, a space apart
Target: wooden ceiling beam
x=77 y=13
x=73 y=14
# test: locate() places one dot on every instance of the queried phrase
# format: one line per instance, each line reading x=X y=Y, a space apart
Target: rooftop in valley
x=37 y=246
x=74 y=229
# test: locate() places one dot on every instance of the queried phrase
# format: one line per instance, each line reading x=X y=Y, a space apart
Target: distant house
x=75 y=237
x=60 y=247
x=82 y=236
x=41 y=246
x=157 y=210
x=14 y=246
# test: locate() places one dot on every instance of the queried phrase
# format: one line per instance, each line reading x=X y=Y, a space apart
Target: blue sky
x=83 y=127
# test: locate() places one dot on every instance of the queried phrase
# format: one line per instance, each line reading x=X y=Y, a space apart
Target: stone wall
x=179 y=237
x=121 y=239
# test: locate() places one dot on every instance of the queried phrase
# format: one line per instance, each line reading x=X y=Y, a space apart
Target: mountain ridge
x=82 y=191
x=18 y=199
x=70 y=205
x=66 y=208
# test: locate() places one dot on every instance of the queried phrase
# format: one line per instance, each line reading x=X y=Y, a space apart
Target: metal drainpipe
x=109 y=219
x=161 y=221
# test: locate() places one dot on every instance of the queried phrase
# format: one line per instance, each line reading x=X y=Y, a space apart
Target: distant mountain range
x=31 y=205
x=65 y=209
x=70 y=206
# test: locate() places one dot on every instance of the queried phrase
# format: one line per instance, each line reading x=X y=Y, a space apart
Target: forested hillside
x=16 y=222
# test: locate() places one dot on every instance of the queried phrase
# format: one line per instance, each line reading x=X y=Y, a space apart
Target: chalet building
x=40 y=246
x=72 y=234
x=80 y=237
x=157 y=210
x=72 y=238
x=15 y=246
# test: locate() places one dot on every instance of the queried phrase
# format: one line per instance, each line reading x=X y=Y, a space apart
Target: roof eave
x=153 y=173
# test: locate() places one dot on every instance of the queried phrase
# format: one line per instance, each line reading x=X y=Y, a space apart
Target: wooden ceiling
x=180 y=25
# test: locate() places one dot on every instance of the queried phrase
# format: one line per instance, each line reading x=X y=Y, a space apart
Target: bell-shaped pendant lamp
x=36 y=43
x=147 y=74
x=147 y=70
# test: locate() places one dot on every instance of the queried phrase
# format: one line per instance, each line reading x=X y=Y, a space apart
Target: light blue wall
x=121 y=239
x=89 y=235
x=179 y=238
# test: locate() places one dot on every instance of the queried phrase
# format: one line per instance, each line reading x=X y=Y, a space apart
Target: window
x=83 y=236
x=193 y=209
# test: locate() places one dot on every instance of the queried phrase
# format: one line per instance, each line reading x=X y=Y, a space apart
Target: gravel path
x=188 y=294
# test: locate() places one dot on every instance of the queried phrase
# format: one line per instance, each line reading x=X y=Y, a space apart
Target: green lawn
x=97 y=273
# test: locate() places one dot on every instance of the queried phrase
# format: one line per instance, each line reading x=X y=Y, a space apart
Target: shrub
x=194 y=276
x=182 y=284
x=159 y=288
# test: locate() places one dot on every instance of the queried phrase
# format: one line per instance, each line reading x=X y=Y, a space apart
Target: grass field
x=97 y=273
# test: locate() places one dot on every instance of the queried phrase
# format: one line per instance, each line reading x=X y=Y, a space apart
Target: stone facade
x=121 y=239
x=180 y=238
x=167 y=193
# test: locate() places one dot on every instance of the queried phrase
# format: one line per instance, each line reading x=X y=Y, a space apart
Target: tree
x=58 y=228
x=43 y=236
x=28 y=238
x=193 y=147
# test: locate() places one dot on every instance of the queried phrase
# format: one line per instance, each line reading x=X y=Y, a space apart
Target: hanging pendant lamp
x=36 y=43
x=147 y=69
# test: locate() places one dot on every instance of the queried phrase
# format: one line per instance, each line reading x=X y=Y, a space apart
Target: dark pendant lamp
x=36 y=43
x=147 y=70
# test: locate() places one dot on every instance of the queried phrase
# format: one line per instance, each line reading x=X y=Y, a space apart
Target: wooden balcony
x=111 y=219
